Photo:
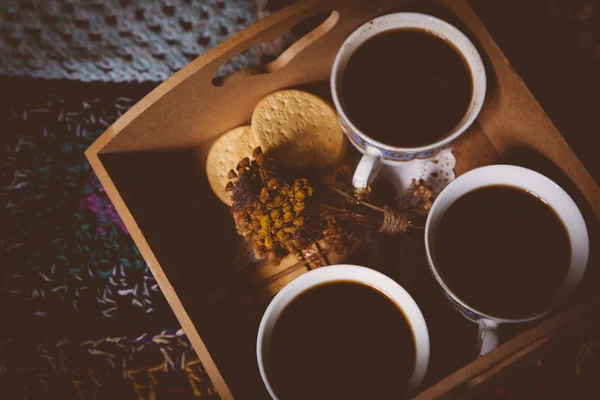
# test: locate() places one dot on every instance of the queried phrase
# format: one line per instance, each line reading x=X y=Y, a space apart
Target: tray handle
x=202 y=70
x=287 y=55
x=265 y=30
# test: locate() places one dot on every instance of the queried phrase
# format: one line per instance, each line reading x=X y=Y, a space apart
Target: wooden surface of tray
x=152 y=164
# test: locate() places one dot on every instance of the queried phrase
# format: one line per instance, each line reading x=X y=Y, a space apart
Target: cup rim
x=475 y=66
x=348 y=272
x=563 y=291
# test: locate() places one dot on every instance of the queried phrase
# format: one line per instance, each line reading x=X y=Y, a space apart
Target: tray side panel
x=514 y=121
x=160 y=276
x=476 y=376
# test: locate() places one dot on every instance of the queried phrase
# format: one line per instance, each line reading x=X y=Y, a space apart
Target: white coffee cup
x=346 y=273
x=544 y=188
x=377 y=154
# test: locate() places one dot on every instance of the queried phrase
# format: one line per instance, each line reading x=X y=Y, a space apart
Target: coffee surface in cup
x=340 y=340
x=503 y=251
x=406 y=87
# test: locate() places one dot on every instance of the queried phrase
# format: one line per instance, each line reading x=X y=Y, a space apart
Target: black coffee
x=503 y=251
x=406 y=88
x=341 y=340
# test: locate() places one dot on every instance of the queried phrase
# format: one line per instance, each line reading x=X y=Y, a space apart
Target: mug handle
x=369 y=166
x=487 y=338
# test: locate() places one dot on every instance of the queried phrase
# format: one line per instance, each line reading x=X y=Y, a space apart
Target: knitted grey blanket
x=117 y=40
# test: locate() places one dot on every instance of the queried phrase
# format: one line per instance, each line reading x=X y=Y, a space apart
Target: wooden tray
x=152 y=161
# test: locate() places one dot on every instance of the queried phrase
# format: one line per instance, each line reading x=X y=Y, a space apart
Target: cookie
x=298 y=129
x=224 y=155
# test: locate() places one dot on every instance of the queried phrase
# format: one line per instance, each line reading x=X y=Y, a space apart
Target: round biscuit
x=224 y=155
x=298 y=129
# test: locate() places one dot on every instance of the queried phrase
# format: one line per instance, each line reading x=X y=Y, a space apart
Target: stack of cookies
x=296 y=128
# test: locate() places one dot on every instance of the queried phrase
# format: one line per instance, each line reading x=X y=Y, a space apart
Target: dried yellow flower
x=288 y=217
x=278 y=224
x=290 y=229
x=299 y=221
x=277 y=202
x=299 y=207
x=268 y=242
x=299 y=195
x=275 y=214
x=265 y=222
x=282 y=236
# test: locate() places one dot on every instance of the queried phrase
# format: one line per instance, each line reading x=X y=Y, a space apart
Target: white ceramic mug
x=347 y=273
x=547 y=190
x=377 y=154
